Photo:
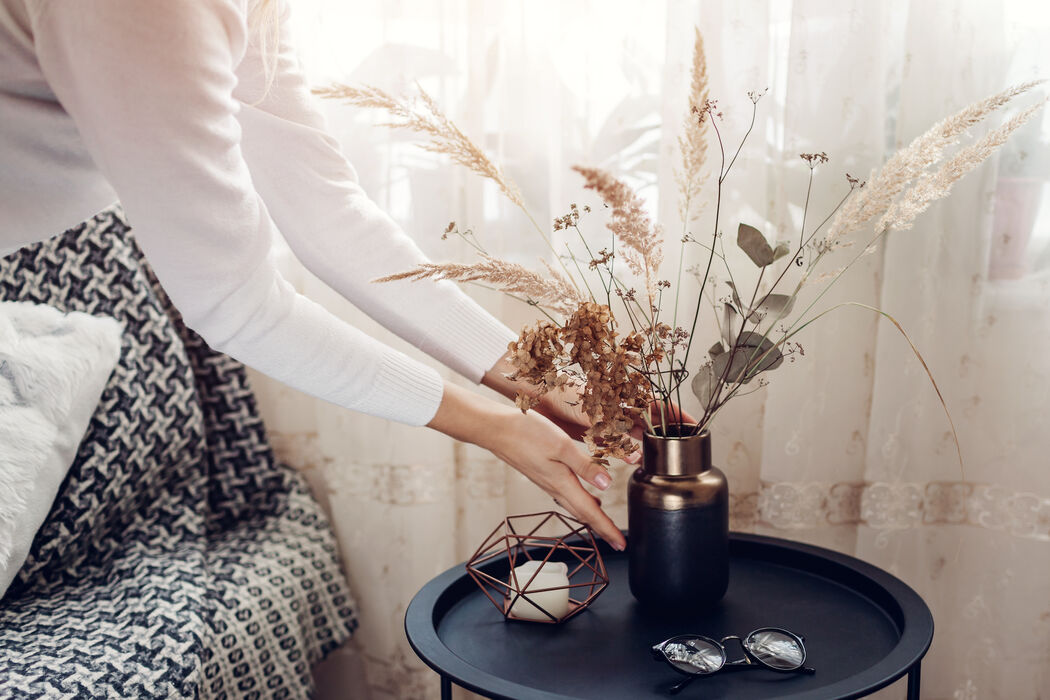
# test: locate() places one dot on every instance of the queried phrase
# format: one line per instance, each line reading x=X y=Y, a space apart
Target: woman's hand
x=534 y=446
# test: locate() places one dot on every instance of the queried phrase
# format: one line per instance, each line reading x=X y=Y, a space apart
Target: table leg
x=913 y=681
x=446 y=688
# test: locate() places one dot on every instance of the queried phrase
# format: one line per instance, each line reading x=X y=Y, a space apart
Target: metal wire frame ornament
x=517 y=540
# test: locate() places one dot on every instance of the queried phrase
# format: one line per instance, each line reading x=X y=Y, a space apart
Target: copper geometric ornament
x=543 y=537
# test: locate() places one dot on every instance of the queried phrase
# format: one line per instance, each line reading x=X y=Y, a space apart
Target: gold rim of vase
x=676 y=456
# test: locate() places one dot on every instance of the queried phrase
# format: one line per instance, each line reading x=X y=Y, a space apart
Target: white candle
x=549 y=574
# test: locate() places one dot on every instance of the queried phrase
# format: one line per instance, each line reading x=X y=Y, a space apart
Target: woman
x=212 y=144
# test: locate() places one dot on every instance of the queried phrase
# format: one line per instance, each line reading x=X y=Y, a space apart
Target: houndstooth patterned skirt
x=179 y=559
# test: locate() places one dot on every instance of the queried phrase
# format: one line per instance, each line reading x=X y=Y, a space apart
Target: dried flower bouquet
x=620 y=344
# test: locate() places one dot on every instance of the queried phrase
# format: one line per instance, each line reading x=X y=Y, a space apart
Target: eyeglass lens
x=695 y=655
x=776 y=649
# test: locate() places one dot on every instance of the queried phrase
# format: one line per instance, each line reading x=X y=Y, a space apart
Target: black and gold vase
x=678 y=524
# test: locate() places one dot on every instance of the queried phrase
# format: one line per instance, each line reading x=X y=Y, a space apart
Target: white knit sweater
x=163 y=105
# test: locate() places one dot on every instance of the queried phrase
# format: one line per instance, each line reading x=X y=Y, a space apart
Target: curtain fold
x=849 y=447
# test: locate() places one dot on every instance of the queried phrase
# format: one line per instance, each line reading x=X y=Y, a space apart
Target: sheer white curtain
x=849 y=447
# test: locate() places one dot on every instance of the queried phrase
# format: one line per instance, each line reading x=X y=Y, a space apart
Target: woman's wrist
x=468 y=417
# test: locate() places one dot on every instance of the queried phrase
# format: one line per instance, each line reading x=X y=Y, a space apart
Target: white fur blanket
x=53 y=369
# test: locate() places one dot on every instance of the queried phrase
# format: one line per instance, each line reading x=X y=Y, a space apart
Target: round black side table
x=863 y=628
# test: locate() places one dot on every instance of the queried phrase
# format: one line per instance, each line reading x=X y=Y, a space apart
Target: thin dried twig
x=915 y=351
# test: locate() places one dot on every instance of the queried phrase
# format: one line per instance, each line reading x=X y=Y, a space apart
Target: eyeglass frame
x=749 y=660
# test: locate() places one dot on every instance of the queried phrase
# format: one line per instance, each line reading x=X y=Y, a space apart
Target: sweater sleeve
x=150 y=88
x=336 y=231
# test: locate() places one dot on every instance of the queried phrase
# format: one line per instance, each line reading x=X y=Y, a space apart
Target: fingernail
x=602 y=481
x=619 y=547
x=634 y=458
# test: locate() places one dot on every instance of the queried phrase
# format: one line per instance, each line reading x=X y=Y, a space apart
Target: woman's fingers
x=587 y=509
x=671 y=414
x=686 y=418
x=586 y=468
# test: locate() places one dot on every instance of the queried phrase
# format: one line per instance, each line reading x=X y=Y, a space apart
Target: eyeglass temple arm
x=677 y=687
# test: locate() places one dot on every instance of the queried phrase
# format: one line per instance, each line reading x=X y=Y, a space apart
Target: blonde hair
x=264 y=28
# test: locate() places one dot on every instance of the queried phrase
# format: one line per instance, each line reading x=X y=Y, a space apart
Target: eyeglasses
x=771 y=648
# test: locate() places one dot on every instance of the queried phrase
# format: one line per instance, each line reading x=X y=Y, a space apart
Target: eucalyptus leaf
x=773 y=303
x=756 y=346
x=754 y=353
x=782 y=249
x=737 y=370
x=736 y=296
x=703 y=384
x=751 y=339
x=716 y=349
x=751 y=241
x=729 y=315
x=777 y=304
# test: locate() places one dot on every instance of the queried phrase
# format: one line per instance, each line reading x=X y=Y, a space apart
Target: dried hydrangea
x=587 y=349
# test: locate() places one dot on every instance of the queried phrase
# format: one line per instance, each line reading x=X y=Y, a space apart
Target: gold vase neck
x=676 y=456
